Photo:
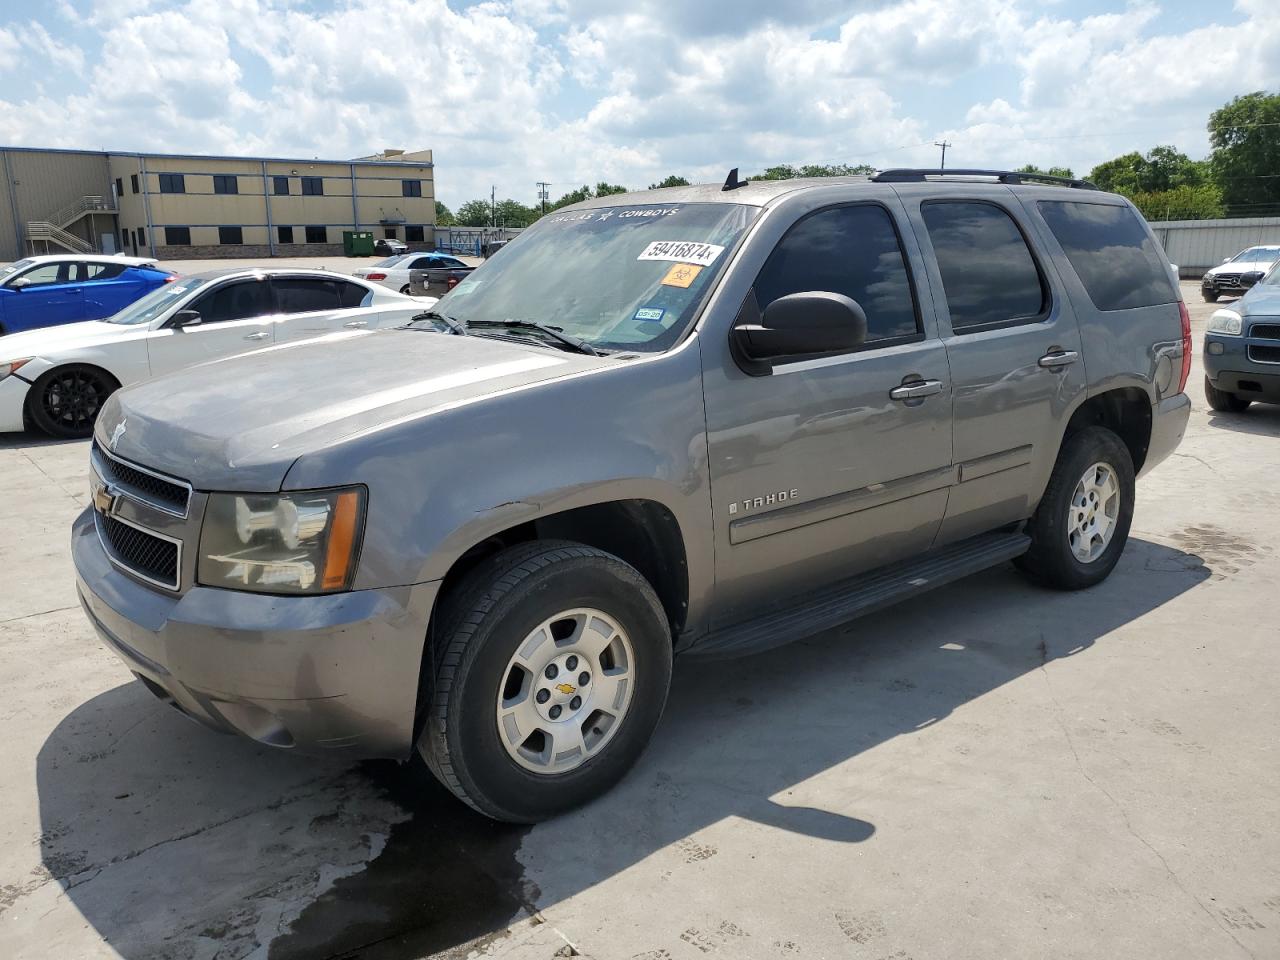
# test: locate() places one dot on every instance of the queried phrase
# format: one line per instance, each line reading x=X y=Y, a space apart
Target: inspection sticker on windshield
x=681 y=275
x=650 y=313
x=703 y=254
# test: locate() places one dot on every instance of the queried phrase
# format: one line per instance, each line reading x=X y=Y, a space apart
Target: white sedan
x=57 y=378
x=393 y=272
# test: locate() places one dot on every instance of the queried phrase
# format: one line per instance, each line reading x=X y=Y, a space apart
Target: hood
x=1261 y=301
x=1245 y=266
x=39 y=343
x=239 y=424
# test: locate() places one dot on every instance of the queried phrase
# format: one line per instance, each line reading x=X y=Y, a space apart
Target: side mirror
x=17 y=283
x=1251 y=279
x=799 y=325
x=185 y=318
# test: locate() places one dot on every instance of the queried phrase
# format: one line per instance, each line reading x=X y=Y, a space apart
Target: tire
x=1052 y=560
x=472 y=673
x=1222 y=400
x=1210 y=297
x=406 y=289
x=65 y=401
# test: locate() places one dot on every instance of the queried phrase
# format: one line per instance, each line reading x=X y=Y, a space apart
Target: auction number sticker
x=681 y=275
x=702 y=254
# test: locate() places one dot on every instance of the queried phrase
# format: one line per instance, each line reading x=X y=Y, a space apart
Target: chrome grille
x=168 y=494
x=149 y=556
x=1227 y=279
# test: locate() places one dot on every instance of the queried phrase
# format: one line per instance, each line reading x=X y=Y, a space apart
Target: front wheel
x=548 y=676
x=66 y=401
x=1082 y=524
x=1224 y=401
x=1209 y=297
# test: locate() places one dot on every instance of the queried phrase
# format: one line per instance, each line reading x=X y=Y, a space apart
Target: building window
x=142 y=237
x=177 y=236
x=317 y=234
x=169 y=183
x=230 y=235
x=133 y=182
x=119 y=187
x=223 y=183
x=313 y=186
x=284 y=234
x=411 y=188
x=414 y=235
x=280 y=186
x=124 y=239
x=389 y=233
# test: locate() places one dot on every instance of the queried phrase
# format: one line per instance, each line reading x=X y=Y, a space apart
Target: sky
x=510 y=92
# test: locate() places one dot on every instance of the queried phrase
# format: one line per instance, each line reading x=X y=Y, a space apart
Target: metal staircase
x=53 y=229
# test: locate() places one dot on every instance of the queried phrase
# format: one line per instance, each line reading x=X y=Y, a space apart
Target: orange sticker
x=681 y=275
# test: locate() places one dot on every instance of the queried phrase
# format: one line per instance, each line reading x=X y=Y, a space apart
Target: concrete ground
x=995 y=772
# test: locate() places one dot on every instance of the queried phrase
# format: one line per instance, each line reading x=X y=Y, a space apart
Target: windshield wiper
x=576 y=344
x=453 y=323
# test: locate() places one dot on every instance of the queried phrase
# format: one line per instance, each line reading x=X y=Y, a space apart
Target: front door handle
x=356 y=323
x=257 y=336
x=1055 y=359
x=916 y=389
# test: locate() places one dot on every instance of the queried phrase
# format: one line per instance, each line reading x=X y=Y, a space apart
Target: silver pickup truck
x=700 y=421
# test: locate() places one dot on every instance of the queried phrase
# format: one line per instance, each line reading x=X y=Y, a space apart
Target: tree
x=444 y=216
x=584 y=192
x=1245 y=135
x=672 y=181
x=1119 y=175
x=1163 y=168
x=474 y=213
x=1052 y=171
x=1203 y=202
x=608 y=189
x=785 y=171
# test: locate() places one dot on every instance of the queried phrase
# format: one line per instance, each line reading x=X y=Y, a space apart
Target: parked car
x=708 y=424
x=387 y=247
x=58 y=379
x=1224 y=279
x=47 y=291
x=1242 y=347
x=394 y=272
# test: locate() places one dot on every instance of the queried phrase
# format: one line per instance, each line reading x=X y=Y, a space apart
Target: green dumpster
x=357 y=243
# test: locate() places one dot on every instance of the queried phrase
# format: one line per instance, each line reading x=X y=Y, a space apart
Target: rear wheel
x=66 y=401
x=547 y=679
x=1223 y=401
x=1082 y=524
x=405 y=289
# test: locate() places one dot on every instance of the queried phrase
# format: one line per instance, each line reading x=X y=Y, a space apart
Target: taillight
x=453 y=282
x=375 y=276
x=1186 y=345
x=170 y=278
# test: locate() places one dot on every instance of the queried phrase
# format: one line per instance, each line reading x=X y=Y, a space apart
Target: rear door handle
x=916 y=389
x=258 y=336
x=1058 y=358
x=356 y=323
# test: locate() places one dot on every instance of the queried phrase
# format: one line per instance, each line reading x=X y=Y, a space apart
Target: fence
x=1197 y=245
x=469 y=241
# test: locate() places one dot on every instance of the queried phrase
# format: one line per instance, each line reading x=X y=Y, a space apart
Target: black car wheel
x=1210 y=296
x=66 y=401
x=1222 y=400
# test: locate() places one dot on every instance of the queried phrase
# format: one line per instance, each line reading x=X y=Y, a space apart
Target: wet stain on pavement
x=446 y=882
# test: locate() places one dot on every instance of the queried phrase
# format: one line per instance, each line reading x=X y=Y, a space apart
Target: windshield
x=11 y=269
x=157 y=301
x=1265 y=254
x=627 y=277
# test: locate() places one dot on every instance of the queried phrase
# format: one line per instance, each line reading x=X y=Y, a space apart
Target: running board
x=849 y=599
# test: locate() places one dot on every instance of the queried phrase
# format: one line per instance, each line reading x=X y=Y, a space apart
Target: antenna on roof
x=731 y=182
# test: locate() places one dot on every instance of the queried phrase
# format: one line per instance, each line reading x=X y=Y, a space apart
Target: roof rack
x=912 y=175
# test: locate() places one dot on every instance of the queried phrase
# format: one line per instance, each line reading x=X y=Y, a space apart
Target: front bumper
x=1235 y=370
x=328 y=674
x=1168 y=424
x=1227 y=286
x=13 y=399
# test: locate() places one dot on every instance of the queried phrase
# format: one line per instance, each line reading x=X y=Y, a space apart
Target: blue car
x=51 y=290
x=1242 y=346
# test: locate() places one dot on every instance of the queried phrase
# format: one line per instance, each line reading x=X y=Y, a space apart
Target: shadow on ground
x=736 y=737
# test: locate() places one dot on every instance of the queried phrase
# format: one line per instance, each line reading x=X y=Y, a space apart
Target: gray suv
x=705 y=420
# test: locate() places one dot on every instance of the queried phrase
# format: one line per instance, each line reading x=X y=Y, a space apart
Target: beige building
x=179 y=206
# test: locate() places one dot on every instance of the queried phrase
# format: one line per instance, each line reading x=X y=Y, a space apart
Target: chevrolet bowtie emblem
x=104 y=500
x=566 y=688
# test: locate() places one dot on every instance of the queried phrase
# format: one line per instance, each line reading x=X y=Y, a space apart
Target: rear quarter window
x=1111 y=252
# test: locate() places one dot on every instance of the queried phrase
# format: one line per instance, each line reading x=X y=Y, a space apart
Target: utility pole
x=543 y=195
x=493 y=206
x=944 y=144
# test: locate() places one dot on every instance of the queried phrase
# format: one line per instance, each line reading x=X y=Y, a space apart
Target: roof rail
x=913 y=175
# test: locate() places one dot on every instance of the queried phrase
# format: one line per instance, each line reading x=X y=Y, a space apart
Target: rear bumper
x=13 y=399
x=324 y=674
x=1168 y=425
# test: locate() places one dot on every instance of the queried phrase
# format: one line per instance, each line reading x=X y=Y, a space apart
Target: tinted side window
x=424 y=263
x=1111 y=253
x=988 y=273
x=849 y=250
x=236 y=301
x=305 y=295
x=352 y=294
x=102 y=271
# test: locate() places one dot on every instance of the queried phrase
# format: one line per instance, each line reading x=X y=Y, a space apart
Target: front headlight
x=12 y=366
x=305 y=542
x=1226 y=322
